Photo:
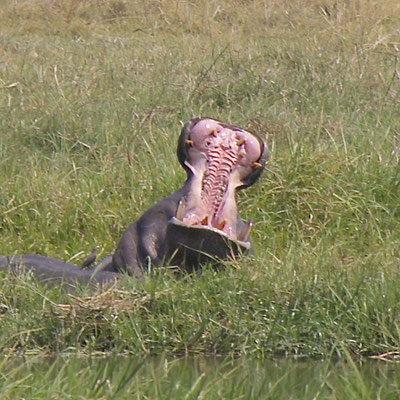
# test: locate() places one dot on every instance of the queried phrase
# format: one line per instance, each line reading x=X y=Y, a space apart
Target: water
x=199 y=377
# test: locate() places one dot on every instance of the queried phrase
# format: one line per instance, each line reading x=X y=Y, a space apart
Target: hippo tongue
x=220 y=159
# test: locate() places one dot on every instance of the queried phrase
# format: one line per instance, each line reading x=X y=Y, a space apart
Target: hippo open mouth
x=219 y=160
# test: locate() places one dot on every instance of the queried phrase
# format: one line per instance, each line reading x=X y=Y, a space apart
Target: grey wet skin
x=198 y=222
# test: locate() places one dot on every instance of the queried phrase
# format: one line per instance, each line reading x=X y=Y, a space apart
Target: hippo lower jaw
x=219 y=159
x=191 y=245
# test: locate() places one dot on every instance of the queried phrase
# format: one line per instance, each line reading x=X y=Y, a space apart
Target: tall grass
x=194 y=377
x=92 y=97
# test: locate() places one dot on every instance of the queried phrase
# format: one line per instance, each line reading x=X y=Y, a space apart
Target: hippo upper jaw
x=219 y=160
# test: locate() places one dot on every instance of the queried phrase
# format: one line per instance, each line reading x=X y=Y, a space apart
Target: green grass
x=248 y=311
x=194 y=377
x=91 y=104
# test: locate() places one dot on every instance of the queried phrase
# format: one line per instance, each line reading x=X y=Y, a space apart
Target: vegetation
x=196 y=378
x=92 y=97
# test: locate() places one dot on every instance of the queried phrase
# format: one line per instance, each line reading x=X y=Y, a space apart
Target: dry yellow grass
x=362 y=21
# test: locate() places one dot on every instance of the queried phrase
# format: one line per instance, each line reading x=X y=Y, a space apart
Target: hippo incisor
x=196 y=224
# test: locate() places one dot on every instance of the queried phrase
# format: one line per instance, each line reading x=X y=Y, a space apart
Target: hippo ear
x=253 y=177
x=182 y=147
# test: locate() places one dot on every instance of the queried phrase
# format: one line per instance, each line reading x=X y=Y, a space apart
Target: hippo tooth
x=214 y=132
x=256 y=165
x=180 y=210
x=189 y=143
x=245 y=232
x=240 y=141
x=204 y=221
x=221 y=225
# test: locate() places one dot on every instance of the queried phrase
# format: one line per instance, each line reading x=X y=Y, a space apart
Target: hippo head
x=219 y=160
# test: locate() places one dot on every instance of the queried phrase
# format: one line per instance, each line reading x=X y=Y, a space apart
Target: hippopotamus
x=196 y=224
